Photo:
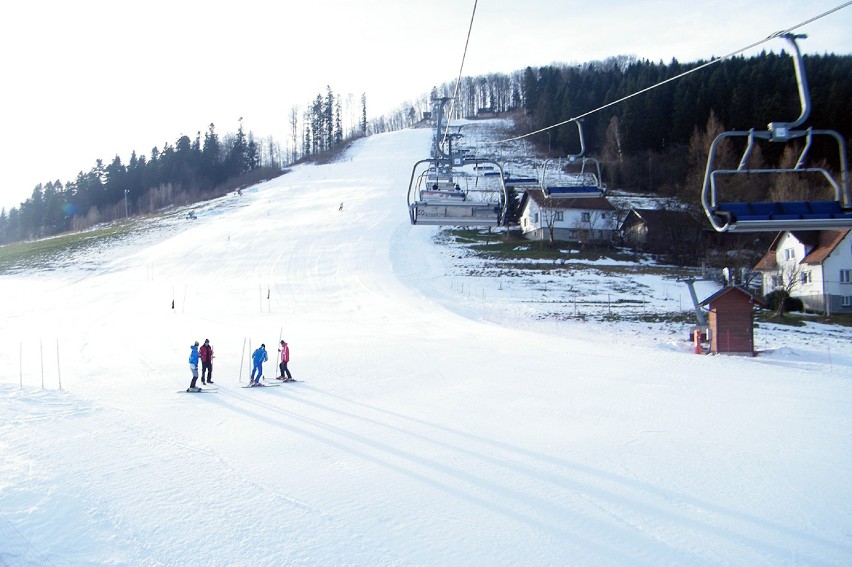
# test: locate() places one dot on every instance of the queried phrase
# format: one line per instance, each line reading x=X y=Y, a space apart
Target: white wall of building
x=568 y=224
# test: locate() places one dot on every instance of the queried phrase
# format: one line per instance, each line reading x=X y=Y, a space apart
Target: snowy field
x=443 y=416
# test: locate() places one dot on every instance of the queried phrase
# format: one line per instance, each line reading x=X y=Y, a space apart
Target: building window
x=846 y=301
x=806 y=278
x=789 y=253
x=776 y=282
x=535 y=218
x=845 y=276
x=587 y=217
x=558 y=215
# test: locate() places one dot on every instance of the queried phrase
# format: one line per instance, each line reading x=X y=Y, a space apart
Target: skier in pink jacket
x=285 y=358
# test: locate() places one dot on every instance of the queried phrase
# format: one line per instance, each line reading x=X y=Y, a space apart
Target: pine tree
x=364 y=114
x=328 y=119
x=338 y=125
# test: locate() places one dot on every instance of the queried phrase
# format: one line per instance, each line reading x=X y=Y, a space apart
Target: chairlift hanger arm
x=780 y=130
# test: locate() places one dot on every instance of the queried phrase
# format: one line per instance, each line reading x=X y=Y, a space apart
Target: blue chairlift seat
x=520 y=181
x=574 y=191
x=769 y=216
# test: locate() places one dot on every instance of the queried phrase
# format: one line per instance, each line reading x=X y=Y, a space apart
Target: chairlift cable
x=461 y=68
x=681 y=75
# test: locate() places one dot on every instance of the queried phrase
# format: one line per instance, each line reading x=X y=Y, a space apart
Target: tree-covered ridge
x=657 y=140
x=187 y=171
x=176 y=173
x=646 y=139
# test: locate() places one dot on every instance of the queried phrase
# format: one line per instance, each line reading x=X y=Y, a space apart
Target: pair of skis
x=259 y=385
x=277 y=382
x=198 y=390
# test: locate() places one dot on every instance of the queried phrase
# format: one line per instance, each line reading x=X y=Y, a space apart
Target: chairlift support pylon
x=791 y=215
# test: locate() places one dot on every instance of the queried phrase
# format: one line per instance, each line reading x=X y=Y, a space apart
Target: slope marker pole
x=58 y=366
x=242 y=358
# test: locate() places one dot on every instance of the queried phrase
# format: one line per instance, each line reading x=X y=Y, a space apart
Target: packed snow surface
x=443 y=416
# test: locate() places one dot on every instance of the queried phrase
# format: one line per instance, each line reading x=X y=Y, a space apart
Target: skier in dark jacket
x=206 y=354
x=258 y=358
x=193 y=367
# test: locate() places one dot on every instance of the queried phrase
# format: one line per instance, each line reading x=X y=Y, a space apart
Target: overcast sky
x=94 y=79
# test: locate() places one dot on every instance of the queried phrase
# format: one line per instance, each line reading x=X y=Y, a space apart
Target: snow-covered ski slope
x=422 y=432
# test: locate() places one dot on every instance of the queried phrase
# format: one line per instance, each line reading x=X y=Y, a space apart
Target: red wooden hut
x=732 y=320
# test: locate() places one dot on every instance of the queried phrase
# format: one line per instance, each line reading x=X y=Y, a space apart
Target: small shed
x=732 y=320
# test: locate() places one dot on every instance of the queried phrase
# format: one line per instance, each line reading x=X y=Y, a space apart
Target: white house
x=579 y=219
x=817 y=265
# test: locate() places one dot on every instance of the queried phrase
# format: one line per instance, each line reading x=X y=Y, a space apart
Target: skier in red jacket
x=285 y=358
x=206 y=355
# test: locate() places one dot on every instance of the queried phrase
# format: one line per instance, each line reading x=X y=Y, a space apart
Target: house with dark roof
x=661 y=231
x=578 y=219
x=816 y=266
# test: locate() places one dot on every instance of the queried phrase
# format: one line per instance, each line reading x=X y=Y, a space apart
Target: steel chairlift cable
x=461 y=68
x=685 y=73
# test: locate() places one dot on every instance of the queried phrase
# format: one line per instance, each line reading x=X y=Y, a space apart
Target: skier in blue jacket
x=193 y=367
x=258 y=358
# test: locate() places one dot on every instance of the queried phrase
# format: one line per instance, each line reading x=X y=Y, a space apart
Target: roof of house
x=585 y=203
x=825 y=243
x=820 y=243
x=661 y=216
x=724 y=291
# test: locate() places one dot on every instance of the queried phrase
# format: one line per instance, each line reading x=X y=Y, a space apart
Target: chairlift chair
x=439 y=199
x=585 y=183
x=726 y=216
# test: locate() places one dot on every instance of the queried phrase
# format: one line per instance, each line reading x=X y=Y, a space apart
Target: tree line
x=325 y=124
x=658 y=141
x=655 y=142
x=188 y=171
x=183 y=172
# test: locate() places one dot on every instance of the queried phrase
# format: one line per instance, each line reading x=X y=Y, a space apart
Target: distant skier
x=341 y=207
x=206 y=354
x=258 y=358
x=193 y=367
x=285 y=358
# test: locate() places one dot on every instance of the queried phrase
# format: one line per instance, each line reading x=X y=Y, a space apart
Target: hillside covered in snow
x=443 y=415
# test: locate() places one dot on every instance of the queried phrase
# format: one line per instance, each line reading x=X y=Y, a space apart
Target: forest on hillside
x=658 y=141
x=186 y=171
x=654 y=142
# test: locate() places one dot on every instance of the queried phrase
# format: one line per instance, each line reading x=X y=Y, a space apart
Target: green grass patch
x=49 y=252
x=497 y=246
